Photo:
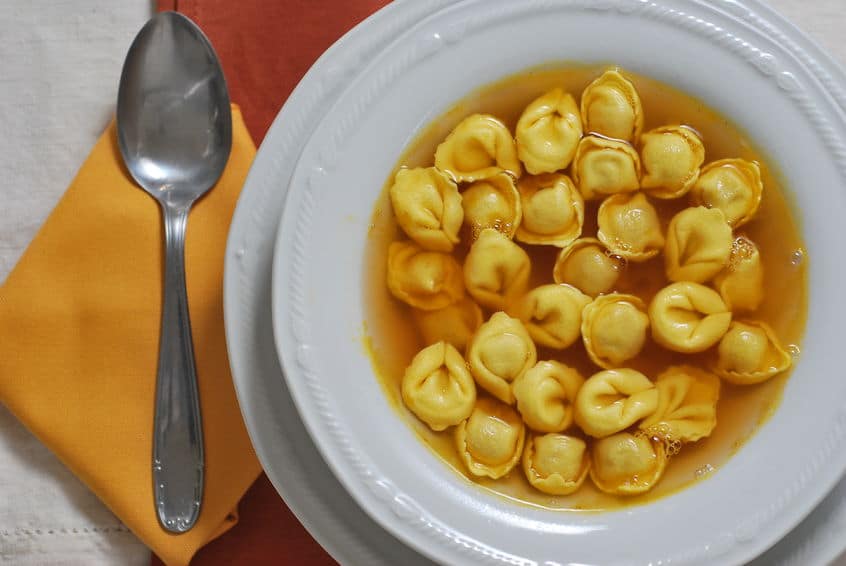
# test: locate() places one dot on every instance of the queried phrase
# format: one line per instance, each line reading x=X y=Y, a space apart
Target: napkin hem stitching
x=20 y=531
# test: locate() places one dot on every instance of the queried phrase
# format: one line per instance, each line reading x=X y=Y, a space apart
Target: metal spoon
x=175 y=132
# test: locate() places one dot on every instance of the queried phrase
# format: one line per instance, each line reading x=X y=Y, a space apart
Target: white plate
x=286 y=453
x=318 y=274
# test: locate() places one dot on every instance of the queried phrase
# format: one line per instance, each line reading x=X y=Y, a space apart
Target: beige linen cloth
x=59 y=65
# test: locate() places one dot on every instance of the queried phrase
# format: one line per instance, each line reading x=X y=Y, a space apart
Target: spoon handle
x=178 y=432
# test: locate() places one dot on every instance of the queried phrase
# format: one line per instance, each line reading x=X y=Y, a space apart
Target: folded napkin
x=79 y=328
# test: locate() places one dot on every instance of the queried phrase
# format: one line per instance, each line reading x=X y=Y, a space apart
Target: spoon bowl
x=173 y=114
x=174 y=128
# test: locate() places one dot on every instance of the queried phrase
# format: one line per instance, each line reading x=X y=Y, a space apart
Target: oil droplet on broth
x=797 y=258
x=622 y=245
x=621 y=262
x=703 y=470
x=741 y=249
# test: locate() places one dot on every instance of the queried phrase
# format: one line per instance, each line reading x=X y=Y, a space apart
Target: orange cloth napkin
x=79 y=328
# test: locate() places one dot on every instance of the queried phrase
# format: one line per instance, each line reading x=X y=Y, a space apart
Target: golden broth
x=392 y=339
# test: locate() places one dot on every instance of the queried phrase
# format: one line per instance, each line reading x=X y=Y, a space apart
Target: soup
x=619 y=394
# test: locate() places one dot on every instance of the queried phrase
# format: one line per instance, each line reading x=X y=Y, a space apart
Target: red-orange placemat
x=266 y=46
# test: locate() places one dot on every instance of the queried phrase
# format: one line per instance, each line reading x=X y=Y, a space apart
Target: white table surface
x=59 y=65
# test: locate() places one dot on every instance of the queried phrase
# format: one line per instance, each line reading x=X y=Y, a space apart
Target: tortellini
x=687 y=405
x=604 y=167
x=612 y=107
x=750 y=353
x=423 y=279
x=698 y=244
x=613 y=400
x=438 y=388
x=614 y=329
x=688 y=317
x=629 y=227
x=491 y=440
x=454 y=324
x=496 y=270
x=732 y=185
x=741 y=282
x=553 y=210
x=588 y=266
x=479 y=147
x=671 y=157
x=545 y=396
x=427 y=206
x=500 y=352
x=556 y=463
x=553 y=314
x=493 y=203
x=653 y=275
x=548 y=131
x=627 y=464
